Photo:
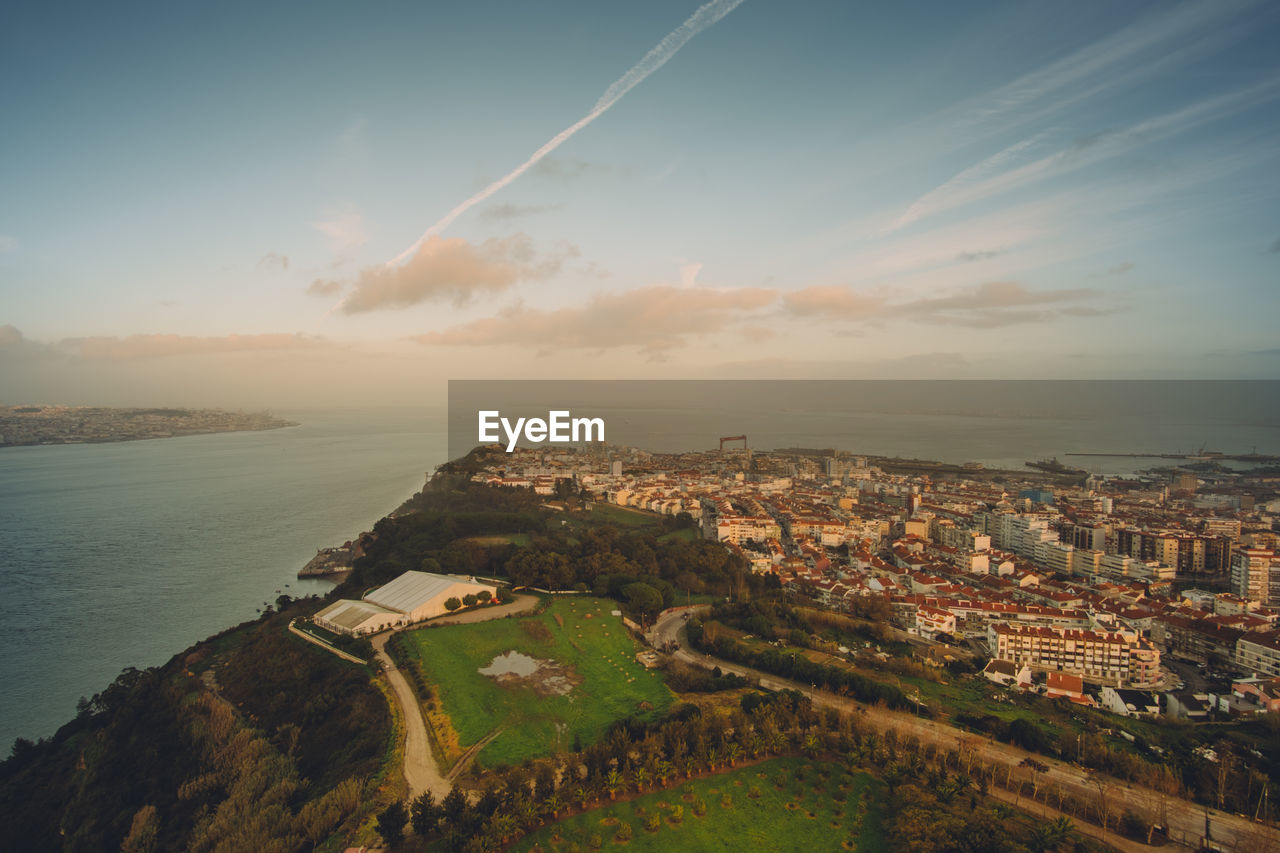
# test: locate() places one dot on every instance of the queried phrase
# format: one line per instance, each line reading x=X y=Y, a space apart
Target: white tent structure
x=421 y=595
x=412 y=597
x=356 y=618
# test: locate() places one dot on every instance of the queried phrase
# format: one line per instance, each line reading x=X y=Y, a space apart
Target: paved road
x=1186 y=819
x=420 y=769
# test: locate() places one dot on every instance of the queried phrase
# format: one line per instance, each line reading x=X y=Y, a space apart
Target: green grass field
x=591 y=642
x=624 y=515
x=796 y=809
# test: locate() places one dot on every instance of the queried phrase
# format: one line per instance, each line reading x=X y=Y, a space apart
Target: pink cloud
x=453 y=270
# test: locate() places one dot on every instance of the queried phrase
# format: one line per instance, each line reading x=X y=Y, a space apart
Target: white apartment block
x=1255 y=575
x=1111 y=657
x=1259 y=654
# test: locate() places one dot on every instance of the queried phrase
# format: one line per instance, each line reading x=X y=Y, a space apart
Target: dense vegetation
x=252 y=739
x=790 y=664
x=452 y=524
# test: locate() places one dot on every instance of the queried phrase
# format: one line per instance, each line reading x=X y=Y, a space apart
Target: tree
x=643 y=598
x=1060 y=830
x=452 y=604
x=470 y=600
x=391 y=823
x=424 y=814
x=142 y=832
x=454 y=806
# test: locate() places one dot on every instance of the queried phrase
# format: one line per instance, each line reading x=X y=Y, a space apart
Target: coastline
x=44 y=426
x=108 y=544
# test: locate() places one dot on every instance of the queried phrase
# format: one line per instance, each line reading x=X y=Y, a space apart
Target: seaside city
x=1066 y=580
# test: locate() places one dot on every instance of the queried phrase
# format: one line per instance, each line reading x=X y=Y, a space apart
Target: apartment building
x=1111 y=657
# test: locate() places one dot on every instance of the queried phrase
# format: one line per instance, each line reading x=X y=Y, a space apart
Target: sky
x=314 y=203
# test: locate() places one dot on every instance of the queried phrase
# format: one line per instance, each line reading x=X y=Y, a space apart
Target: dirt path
x=1080 y=827
x=465 y=759
x=522 y=604
x=420 y=769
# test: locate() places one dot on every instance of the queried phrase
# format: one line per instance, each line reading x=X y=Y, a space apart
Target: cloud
x=507 y=212
x=272 y=261
x=970 y=257
x=689 y=274
x=997 y=294
x=997 y=174
x=162 y=346
x=1002 y=303
x=8 y=243
x=452 y=270
x=1174 y=34
x=653 y=319
x=1121 y=269
x=976 y=173
x=324 y=287
x=14 y=345
x=832 y=301
x=345 y=232
x=566 y=169
x=988 y=305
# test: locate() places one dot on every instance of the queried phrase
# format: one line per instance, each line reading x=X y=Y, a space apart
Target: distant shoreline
x=42 y=426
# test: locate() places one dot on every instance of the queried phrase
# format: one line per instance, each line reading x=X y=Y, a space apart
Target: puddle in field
x=546 y=677
x=512 y=663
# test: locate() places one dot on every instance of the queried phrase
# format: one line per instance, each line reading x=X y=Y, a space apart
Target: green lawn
x=688 y=534
x=592 y=643
x=796 y=809
x=499 y=539
x=624 y=515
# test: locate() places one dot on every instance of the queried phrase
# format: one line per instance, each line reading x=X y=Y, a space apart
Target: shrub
x=624 y=831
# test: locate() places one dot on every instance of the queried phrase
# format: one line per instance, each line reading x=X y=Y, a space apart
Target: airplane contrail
x=706 y=15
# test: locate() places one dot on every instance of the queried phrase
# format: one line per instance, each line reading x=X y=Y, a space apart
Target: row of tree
x=791 y=664
x=939 y=799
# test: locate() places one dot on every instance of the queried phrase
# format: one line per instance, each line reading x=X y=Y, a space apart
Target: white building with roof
x=412 y=597
x=356 y=618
